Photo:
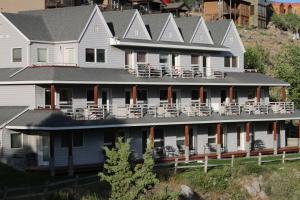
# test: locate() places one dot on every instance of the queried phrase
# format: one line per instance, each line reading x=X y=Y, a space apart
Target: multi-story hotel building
x=73 y=79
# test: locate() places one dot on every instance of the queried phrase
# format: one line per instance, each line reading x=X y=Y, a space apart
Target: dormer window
x=42 y=55
x=17 y=55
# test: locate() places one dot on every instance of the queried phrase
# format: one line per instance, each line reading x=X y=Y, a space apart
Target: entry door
x=44 y=150
x=176 y=97
x=175 y=60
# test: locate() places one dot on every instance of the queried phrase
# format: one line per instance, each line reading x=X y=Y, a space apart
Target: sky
x=287 y=1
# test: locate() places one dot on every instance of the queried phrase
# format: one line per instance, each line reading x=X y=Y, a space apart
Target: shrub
x=90 y=197
x=257 y=58
x=164 y=194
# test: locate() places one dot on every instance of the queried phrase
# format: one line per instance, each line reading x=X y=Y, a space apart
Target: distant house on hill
x=282 y=8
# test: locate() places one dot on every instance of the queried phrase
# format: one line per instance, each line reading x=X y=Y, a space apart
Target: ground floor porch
x=72 y=150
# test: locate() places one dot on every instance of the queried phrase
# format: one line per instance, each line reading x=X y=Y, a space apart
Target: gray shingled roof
x=118 y=21
x=9 y=112
x=50 y=120
x=61 y=24
x=218 y=29
x=155 y=23
x=120 y=76
x=187 y=26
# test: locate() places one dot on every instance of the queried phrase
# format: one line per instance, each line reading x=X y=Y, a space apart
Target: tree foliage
x=128 y=181
x=287 y=68
x=256 y=58
x=289 y=22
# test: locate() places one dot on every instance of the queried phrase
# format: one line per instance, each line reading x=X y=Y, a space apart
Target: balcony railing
x=149 y=71
x=164 y=110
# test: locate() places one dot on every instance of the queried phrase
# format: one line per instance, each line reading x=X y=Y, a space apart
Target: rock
x=251 y=190
x=256 y=185
x=186 y=191
x=262 y=195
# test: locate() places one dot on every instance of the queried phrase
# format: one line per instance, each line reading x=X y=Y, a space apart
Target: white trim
x=10 y=23
x=137 y=16
x=149 y=124
x=96 y=9
x=205 y=28
x=237 y=34
x=115 y=42
x=170 y=19
x=139 y=83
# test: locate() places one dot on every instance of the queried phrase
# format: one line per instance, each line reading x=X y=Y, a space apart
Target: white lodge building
x=73 y=79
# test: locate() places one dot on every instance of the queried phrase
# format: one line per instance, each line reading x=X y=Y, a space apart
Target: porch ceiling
x=84 y=75
x=56 y=120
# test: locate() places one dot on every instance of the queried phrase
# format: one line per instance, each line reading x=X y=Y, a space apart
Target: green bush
x=164 y=194
x=248 y=169
x=257 y=58
x=90 y=197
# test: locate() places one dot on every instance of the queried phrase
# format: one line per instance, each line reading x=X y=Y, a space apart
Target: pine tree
x=127 y=180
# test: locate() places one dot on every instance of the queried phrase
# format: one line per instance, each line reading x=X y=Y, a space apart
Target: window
x=251 y=94
x=17 y=55
x=100 y=55
x=163 y=58
x=141 y=57
x=127 y=97
x=227 y=61
x=238 y=138
x=109 y=139
x=89 y=55
x=223 y=96
x=195 y=95
x=234 y=61
x=78 y=140
x=211 y=135
x=90 y=95
x=47 y=97
x=16 y=140
x=65 y=95
x=194 y=59
x=42 y=55
x=252 y=10
x=142 y=95
x=270 y=128
x=204 y=58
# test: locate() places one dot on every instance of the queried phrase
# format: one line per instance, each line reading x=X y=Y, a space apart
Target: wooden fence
x=206 y=165
x=41 y=192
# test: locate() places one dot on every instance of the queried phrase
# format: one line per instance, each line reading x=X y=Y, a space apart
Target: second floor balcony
x=194 y=71
x=165 y=110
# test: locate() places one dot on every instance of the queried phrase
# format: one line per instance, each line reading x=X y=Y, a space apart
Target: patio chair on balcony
x=170 y=151
x=79 y=114
x=121 y=112
x=160 y=111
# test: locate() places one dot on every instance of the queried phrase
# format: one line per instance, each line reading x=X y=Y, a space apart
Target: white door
x=44 y=150
x=69 y=56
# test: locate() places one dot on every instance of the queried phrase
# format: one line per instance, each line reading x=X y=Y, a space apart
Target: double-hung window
x=42 y=55
x=89 y=55
x=100 y=55
x=16 y=140
x=231 y=61
x=17 y=54
x=211 y=135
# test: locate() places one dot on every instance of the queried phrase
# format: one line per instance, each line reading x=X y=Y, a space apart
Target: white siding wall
x=115 y=58
x=10 y=38
x=261 y=133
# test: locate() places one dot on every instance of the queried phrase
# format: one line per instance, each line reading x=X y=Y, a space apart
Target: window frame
x=137 y=58
x=104 y=55
x=37 y=55
x=21 y=140
x=65 y=136
x=211 y=136
x=225 y=61
x=137 y=95
x=12 y=54
x=94 y=55
x=196 y=57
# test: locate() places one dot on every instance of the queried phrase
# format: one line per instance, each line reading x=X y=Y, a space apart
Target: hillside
x=272 y=38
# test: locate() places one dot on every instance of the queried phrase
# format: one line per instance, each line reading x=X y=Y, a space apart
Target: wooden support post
x=151 y=137
x=259 y=158
x=51 y=152
x=283 y=94
x=96 y=95
x=230 y=92
x=219 y=140
x=134 y=94
x=205 y=163
x=201 y=94
x=275 y=144
x=258 y=94
x=248 y=138
x=232 y=160
x=186 y=143
x=175 y=165
x=52 y=97
x=169 y=95
x=283 y=157
x=70 y=155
